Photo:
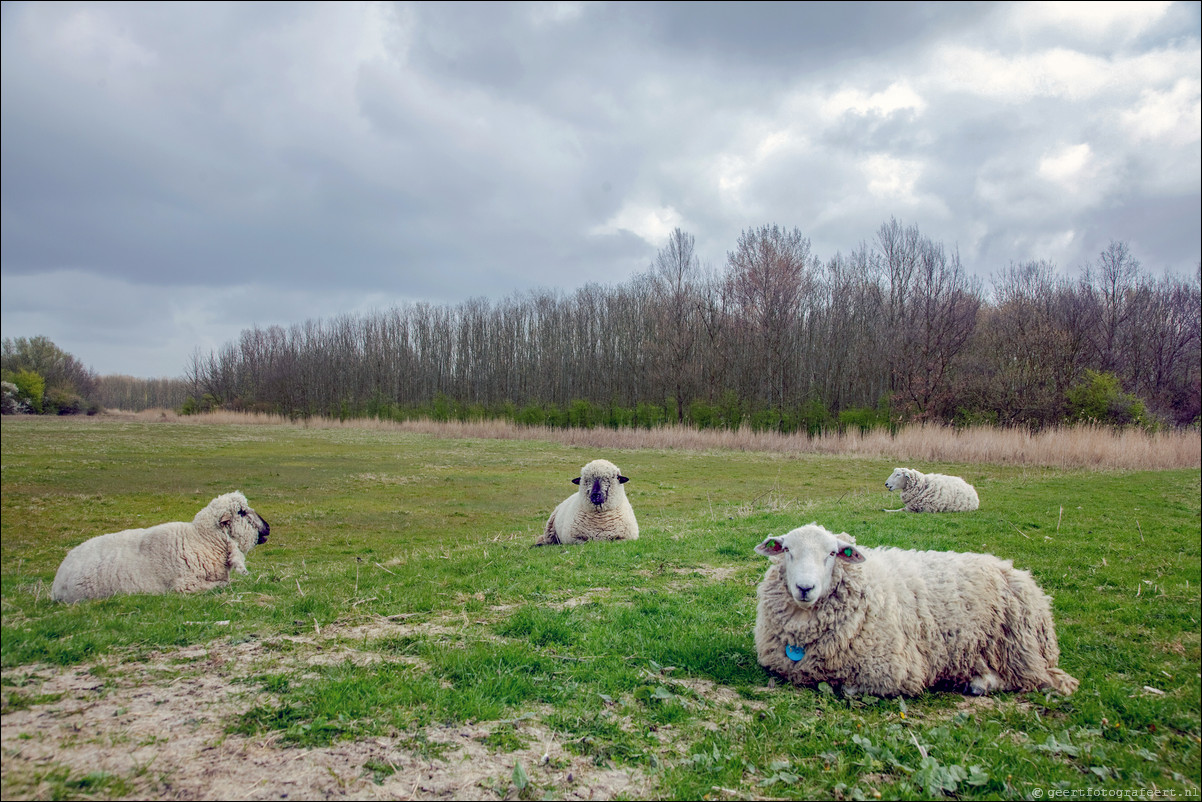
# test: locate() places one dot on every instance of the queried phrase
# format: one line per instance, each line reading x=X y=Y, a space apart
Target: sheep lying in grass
x=932 y=492
x=598 y=511
x=889 y=622
x=184 y=557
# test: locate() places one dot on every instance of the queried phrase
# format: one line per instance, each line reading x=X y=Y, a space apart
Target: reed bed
x=1082 y=446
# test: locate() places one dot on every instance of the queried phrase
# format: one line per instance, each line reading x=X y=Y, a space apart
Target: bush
x=60 y=401
x=11 y=403
x=532 y=415
x=814 y=417
x=207 y=403
x=31 y=389
x=1099 y=398
x=650 y=415
x=730 y=410
x=704 y=415
x=866 y=418
x=582 y=414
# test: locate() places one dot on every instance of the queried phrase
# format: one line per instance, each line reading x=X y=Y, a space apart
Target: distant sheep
x=183 y=557
x=598 y=511
x=932 y=492
x=889 y=622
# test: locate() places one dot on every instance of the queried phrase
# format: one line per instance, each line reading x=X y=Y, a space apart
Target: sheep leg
x=237 y=560
x=196 y=585
x=549 y=537
x=1062 y=682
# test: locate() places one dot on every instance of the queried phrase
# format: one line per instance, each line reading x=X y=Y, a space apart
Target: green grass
x=411 y=555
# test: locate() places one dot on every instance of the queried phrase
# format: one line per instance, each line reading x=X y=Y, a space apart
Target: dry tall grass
x=1094 y=447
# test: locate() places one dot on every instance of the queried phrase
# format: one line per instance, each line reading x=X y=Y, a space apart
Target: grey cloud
x=332 y=154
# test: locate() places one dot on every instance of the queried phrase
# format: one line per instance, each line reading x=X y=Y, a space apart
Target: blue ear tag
x=794 y=653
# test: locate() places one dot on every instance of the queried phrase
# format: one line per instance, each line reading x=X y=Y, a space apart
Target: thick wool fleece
x=599 y=510
x=933 y=492
x=171 y=557
x=903 y=621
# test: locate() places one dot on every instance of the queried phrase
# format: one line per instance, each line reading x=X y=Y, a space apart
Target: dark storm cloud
x=793 y=36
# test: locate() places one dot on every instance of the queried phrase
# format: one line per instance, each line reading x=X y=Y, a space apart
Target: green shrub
x=31 y=388
x=1099 y=398
x=814 y=417
x=865 y=418
x=531 y=415
x=650 y=415
x=61 y=401
x=192 y=406
x=582 y=414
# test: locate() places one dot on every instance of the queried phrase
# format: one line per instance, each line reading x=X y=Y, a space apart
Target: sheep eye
x=242 y=513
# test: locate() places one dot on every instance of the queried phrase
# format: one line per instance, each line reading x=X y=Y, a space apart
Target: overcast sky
x=175 y=173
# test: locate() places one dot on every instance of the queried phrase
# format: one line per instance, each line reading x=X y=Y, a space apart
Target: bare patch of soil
x=589 y=596
x=719 y=573
x=157 y=728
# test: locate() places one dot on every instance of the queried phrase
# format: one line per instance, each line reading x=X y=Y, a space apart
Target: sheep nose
x=597 y=496
x=804 y=592
x=263 y=533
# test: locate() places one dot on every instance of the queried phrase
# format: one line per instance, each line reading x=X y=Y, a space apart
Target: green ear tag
x=772 y=544
x=847 y=551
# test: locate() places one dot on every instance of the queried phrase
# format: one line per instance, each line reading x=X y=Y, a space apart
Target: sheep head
x=810 y=556
x=243 y=525
x=900 y=479
x=601 y=482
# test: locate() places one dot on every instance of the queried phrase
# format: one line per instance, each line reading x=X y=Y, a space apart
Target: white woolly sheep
x=889 y=622
x=932 y=492
x=598 y=511
x=184 y=557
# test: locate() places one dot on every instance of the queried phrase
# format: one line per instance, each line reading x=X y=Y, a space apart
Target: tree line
x=896 y=330
x=41 y=378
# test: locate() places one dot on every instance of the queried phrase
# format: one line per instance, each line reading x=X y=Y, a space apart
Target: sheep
x=598 y=511
x=932 y=492
x=183 y=557
x=892 y=622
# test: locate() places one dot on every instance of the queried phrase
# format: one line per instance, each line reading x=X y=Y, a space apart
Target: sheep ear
x=770 y=547
x=848 y=553
x=622 y=479
x=576 y=481
x=225 y=519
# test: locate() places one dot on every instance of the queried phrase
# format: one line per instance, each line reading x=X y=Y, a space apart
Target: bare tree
x=943 y=304
x=1025 y=357
x=676 y=304
x=1113 y=281
x=768 y=274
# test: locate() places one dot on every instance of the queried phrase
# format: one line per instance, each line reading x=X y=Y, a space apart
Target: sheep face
x=809 y=557
x=601 y=483
x=234 y=515
x=899 y=479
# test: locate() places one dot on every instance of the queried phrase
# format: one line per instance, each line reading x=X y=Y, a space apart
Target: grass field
x=398 y=637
